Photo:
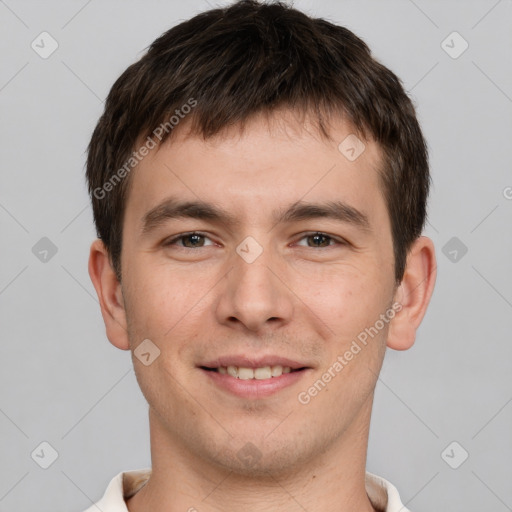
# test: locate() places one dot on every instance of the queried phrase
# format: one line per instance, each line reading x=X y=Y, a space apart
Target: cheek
x=356 y=349
x=351 y=307
x=346 y=299
x=162 y=297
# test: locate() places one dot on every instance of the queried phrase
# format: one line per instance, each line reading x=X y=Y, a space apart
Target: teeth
x=263 y=373
x=276 y=371
x=243 y=373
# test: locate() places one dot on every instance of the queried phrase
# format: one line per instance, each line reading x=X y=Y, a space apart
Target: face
x=256 y=277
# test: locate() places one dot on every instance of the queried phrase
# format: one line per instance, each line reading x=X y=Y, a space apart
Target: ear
x=110 y=295
x=413 y=294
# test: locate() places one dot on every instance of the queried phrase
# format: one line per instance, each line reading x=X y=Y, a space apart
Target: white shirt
x=382 y=494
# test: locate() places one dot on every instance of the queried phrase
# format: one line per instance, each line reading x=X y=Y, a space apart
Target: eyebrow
x=173 y=208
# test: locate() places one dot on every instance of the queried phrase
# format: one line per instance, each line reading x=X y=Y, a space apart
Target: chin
x=263 y=459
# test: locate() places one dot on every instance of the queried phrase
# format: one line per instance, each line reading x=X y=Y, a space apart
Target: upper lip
x=253 y=362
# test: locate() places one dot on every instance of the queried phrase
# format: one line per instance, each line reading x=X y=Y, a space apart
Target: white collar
x=382 y=494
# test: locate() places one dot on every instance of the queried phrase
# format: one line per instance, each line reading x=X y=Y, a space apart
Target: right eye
x=194 y=237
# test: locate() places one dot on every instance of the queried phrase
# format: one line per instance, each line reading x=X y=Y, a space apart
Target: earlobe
x=109 y=294
x=413 y=294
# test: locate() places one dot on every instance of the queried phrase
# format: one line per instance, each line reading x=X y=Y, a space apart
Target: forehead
x=274 y=161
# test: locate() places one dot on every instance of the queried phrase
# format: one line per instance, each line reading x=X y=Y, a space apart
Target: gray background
x=62 y=382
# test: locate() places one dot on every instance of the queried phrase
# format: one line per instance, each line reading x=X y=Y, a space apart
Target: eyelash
x=306 y=235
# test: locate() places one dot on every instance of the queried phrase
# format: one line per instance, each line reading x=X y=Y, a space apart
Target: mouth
x=253 y=379
x=247 y=373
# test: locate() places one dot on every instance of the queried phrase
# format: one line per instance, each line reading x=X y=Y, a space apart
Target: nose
x=255 y=294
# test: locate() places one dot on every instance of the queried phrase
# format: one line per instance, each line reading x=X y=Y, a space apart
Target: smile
x=244 y=373
x=253 y=383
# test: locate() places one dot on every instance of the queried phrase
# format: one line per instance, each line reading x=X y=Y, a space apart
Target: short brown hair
x=251 y=58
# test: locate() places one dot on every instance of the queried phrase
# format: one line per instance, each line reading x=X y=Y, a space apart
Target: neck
x=331 y=481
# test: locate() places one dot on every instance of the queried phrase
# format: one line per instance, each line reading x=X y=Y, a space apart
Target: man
x=259 y=187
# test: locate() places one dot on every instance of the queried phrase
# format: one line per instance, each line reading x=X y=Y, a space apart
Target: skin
x=303 y=298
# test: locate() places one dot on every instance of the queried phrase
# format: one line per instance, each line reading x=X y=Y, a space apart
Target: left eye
x=321 y=238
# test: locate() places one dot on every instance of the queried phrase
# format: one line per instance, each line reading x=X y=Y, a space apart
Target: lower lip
x=254 y=388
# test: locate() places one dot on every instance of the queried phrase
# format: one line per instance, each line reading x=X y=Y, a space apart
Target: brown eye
x=320 y=240
x=188 y=241
x=195 y=240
